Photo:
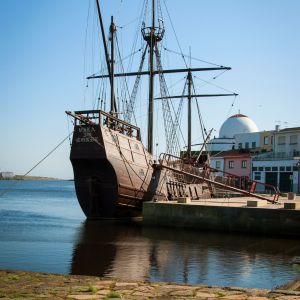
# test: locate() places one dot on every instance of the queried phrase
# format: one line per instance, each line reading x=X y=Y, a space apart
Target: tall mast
x=104 y=45
x=189 y=145
x=151 y=82
x=112 y=68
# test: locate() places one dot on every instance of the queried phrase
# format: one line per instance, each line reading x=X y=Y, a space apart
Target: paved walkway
x=28 y=285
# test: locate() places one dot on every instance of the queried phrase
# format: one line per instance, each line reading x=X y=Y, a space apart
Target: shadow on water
x=134 y=252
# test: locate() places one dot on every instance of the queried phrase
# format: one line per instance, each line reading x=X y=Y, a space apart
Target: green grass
x=113 y=294
x=13 y=277
x=2 y=293
x=220 y=294
x=18 y=295
x=92 y=289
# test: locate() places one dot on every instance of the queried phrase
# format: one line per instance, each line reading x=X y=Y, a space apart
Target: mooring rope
x=5 y=191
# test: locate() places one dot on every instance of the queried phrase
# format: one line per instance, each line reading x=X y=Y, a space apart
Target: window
x=266 y=140
x=281 y=140
x=296 y=168
x=231 y=164
x=247 y=145
x=254 y=169
x=218 y=164
x=271 y=140
x=240 y=145
x=260 y=168
x=288 y=169
x=293 y=140
x=275 y=169
x=267 y=169
x=282 y=168
x=244 y=164
x=257 y=176
x=253 y=144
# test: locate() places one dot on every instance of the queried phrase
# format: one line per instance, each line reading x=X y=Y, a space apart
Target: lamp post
x=298 y=165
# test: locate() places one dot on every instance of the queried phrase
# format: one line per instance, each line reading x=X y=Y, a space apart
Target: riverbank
x=21 y=177
x=31 y=285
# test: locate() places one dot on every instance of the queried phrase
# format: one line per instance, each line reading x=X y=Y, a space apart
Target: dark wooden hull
x=111 y=172
x=114 y=173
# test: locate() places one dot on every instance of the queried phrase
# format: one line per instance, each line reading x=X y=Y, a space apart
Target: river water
x=43 y=229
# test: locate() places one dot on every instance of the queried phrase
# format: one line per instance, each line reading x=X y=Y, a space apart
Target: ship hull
x=112 y=172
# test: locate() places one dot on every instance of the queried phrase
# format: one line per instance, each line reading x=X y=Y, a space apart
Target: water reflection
x=133 y=252
x=110 y=249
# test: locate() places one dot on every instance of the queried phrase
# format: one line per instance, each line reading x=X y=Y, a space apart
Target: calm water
x=43 y=229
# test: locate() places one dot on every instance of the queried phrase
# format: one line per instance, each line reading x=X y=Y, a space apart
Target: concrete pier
x=229 y=215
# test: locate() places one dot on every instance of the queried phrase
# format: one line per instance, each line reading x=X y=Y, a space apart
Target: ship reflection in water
x=133 y=252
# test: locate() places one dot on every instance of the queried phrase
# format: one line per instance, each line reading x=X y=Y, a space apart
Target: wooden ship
x=114 y=172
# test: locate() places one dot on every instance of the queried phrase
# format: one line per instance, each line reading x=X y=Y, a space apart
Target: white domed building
x=234 y=126
x=237 y=124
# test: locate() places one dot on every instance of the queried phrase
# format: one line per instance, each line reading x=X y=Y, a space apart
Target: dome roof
x=237 y=124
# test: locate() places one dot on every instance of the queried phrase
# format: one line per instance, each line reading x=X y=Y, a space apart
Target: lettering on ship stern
x=87 y=135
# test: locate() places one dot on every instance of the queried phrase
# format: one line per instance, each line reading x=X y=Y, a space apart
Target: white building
x=7 y=175
x=235 y=126
x=249 y=140
x=280 y=167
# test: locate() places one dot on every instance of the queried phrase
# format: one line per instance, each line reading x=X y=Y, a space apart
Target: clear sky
x=44 y=61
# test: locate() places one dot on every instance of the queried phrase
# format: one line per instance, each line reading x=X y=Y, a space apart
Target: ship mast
x=152 y=35
x=112 y=67
x=189 y=145
x=109 y=66
x=151 y=81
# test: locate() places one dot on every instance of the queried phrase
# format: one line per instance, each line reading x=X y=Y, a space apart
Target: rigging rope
x=194 y=58
x=130 y=107
x=172 y=140
x=37 y=164
x=213 y=84
x=174 y=31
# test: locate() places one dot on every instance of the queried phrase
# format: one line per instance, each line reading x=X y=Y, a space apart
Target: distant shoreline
x=20 y=177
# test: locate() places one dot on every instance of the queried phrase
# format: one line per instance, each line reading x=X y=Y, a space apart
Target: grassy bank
x=30 y=285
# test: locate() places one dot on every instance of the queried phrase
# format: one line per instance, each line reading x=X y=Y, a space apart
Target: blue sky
x=45 y=57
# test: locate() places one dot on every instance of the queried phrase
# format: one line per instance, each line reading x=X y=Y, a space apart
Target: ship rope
x=213 y=84
x=194 y=58
x=174 y=31
x=172 y=141
x=129 y=112
x=5 y=191
x=124 y=88
x=178 y=116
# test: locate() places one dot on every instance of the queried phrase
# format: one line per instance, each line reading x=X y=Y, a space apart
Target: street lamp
x=298 y=165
